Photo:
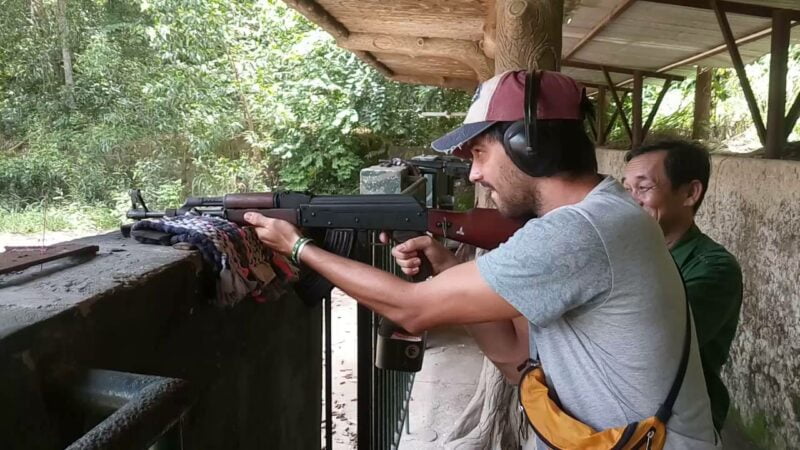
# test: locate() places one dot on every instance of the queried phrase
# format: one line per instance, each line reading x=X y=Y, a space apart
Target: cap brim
x=456 y=138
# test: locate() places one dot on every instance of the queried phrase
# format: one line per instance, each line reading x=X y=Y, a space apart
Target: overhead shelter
x=607 y=44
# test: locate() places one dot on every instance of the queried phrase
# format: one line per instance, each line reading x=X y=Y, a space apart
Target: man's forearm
x=456 y=296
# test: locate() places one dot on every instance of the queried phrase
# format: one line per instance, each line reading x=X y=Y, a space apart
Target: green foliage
x=184 y=97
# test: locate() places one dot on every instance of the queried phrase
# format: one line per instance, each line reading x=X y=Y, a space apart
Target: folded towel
x=244 y=266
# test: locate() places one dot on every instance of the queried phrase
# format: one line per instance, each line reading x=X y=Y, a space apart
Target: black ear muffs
x=520 y=139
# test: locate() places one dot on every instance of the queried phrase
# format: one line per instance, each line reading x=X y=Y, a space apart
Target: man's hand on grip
x=409 y=252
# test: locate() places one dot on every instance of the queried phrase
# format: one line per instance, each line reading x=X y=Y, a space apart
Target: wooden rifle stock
x=482 y=227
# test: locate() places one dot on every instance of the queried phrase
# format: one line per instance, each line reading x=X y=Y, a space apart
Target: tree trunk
x=701 y=125
x=66 y=55
x=528 y=34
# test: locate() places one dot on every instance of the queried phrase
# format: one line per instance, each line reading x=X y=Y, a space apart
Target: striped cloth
x=244 y=266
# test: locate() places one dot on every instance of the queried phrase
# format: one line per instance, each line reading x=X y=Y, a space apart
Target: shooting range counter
x=119 y=347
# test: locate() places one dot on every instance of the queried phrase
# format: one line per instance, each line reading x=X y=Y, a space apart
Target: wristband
x=298 y=247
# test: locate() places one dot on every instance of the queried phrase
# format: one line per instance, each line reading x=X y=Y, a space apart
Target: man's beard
x=520 y=199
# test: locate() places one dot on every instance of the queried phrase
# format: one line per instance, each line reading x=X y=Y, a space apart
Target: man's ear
x=693 y=192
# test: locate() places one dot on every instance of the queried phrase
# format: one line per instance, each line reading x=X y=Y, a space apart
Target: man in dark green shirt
x=669 y=179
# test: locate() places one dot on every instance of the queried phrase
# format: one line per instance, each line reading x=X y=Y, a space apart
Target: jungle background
x=204 y=97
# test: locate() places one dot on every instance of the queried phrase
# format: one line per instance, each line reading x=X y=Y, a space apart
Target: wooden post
x=601 y=110
x=738 y=64
x=636 y=113
x=776 y=108
x=701 y=125
x=654 y=111
x=619 y=103
x=528 y=34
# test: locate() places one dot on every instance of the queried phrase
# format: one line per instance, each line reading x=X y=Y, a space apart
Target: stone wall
x=753 y=208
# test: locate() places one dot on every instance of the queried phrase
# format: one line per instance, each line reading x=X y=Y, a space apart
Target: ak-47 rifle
x=338 y=218
x=481 y=227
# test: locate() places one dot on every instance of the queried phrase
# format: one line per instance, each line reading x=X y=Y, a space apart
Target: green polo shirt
x=713 y=281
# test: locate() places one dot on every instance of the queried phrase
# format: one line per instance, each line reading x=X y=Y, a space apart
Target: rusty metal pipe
x=144 y=408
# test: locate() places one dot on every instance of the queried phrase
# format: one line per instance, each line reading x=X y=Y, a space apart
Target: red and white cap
x=502 y=99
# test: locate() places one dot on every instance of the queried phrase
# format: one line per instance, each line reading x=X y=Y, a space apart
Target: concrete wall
x=753 y=208
x=255 y=368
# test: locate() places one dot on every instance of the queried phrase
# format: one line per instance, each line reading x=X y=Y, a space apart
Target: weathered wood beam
x=599 y=86
x=600 y=112
x=626 y=70
x=636 y=111
x=445 y=82
x=716 y=50
x=464 y=51
x=489 y=42
x=613 y=119
x=601 y=25
x=618 y=102
x=314 y=12
x=792 y=116
x=778 y=69
x=746 y=39
x=746 y=9
x=738 y=64
x=528 y=34
x=652 y=116
x=701 y=119
x=370 y=59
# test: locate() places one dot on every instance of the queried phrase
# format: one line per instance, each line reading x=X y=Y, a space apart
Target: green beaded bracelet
x=298 y=247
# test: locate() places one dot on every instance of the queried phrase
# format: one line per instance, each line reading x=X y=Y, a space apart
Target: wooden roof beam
x=601 y=86
x=745 y=9
x=625 y=70
x=467 y=52
x=616 y=12
x=445 y=82
x=738 y=64
x=314 y=12
x=713 y=51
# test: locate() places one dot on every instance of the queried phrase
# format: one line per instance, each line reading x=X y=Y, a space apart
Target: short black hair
x=685 y=161
x=576 y=150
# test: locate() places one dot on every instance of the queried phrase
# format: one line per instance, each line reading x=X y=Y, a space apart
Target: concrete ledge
x=143 y=309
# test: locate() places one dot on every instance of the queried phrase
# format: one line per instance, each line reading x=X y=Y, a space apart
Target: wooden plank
x=745 y=9
x=616 y=69
x=701 y=119
x=312 y=11
x=636 y=111
x=370 y=59
x=467 y=52
x=776 y=107
x=791 y=117
x=18 y=258
x=618 y=102
x=727 y=34
x=445 y=82
x=717 y=50
x=601 y=110
x=616 y=12
x=651 y=117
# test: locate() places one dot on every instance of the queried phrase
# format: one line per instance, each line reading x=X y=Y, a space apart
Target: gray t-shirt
x=606 y=308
